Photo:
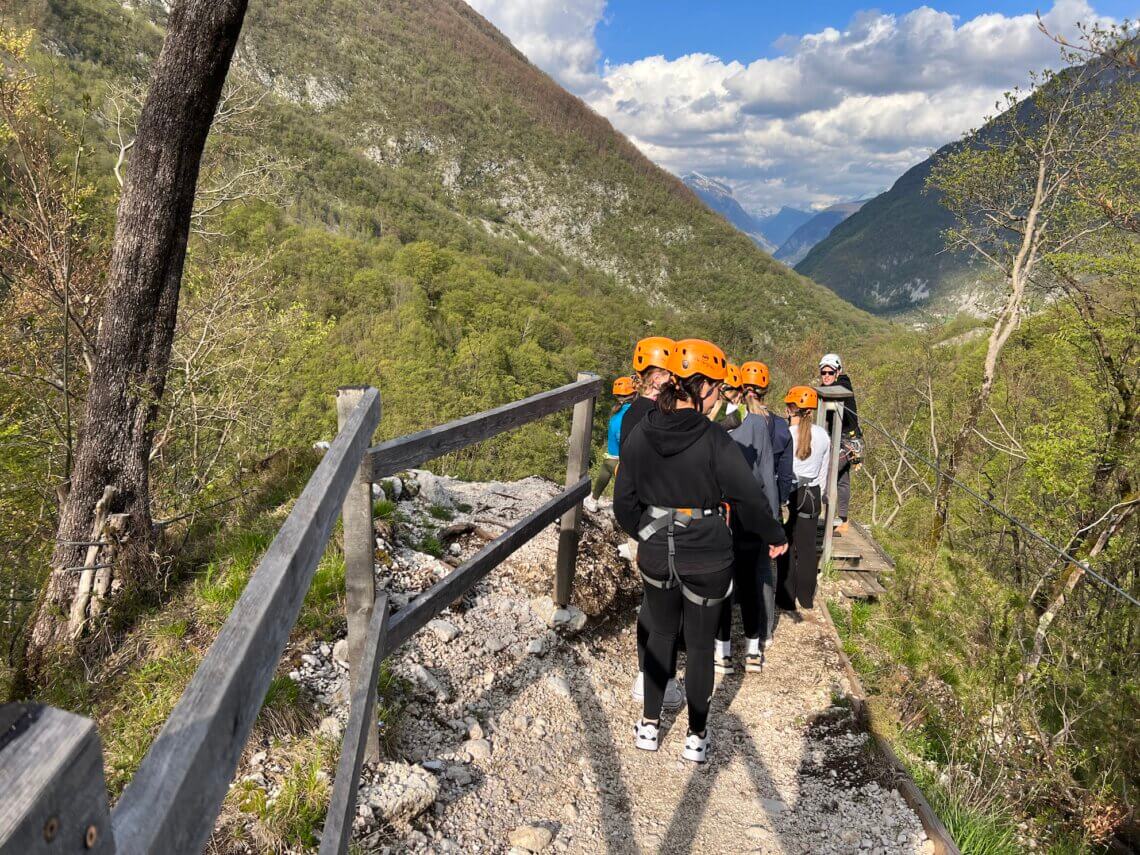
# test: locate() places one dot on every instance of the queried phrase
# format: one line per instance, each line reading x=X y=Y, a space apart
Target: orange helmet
x=804 y=397
x=624 y=386
x=732 y=376
x=696 y=356
x=652 y=352
x=755 y=374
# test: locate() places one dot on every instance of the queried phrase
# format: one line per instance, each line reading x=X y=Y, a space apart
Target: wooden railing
x=52 y=793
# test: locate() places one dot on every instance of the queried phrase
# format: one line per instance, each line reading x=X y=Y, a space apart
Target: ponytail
x=803 y=434
x=678 y=389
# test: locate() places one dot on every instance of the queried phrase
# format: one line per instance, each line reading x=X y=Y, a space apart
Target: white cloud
x=835 y=115
x=556 y=35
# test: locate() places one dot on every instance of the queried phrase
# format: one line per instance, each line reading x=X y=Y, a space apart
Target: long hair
x=803 y=434
x=621 y=402
x=678 y=389
x=755 y=403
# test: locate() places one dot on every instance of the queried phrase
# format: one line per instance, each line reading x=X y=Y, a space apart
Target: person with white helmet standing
x=851 y=442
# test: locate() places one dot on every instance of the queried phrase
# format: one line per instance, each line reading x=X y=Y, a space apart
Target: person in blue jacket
x=625 y=391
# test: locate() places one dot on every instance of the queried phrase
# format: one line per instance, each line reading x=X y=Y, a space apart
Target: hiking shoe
x=645 y=735
x=696 y=747
x=841 y=528
x=754 y=663
x=722 y=664
x=591 y=504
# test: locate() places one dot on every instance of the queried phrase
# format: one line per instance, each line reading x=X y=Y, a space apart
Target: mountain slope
x=718 y=196
x=813 y=231
x=460 y=222
x=890 y=257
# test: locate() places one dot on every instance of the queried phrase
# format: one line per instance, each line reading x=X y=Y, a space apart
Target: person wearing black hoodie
x=678 y=470
x=831 y=374
x=650 y=356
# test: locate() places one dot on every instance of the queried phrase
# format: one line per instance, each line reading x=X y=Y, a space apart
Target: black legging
x=752 y=588
x=799 y=565
x=663 y=614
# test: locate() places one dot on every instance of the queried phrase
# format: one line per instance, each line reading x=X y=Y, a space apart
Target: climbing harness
x=668 y=520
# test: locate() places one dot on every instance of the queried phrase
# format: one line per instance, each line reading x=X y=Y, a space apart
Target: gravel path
x=518 y=734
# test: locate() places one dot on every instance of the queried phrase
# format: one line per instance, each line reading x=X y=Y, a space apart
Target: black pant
x=752 y=589
x=663 y=613
x=643 y=639
x=798 y=566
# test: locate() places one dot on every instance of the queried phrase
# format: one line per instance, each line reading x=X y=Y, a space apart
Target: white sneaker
x=674 y=697
x=645 y=735
x=591 y=504
x=696 y=747
x=625 y=552
x=722 y=664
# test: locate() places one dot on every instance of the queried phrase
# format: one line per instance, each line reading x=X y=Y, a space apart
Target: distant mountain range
x=800 y=242
x=780 y=226
x=787 y=234
x=718 y=196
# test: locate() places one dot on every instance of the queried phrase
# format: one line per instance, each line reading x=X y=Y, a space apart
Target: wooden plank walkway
x=859 y=564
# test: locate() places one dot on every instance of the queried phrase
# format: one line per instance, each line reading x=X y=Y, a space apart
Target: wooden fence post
x=577 y=465
x=832 y=472
x=52 y=794
x=359 y=558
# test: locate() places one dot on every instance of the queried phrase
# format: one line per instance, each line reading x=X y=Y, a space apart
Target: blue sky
x=747 y=29
x=802 y=104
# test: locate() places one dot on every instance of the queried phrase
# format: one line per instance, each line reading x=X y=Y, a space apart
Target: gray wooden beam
x=52 y=794
x=834 y=405
x=361 y=721
x=171 y=803
x=577 y=465
x=359 y=553
x=410 y=619
x=416 y=448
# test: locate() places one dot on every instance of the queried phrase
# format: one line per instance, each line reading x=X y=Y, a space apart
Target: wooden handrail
x=171 y=803
x=390 y=457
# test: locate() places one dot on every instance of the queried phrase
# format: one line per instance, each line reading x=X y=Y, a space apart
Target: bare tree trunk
x=137 y=326
x=1006 y=323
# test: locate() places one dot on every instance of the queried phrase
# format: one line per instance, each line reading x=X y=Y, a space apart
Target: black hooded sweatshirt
x=850 y=411
x=682 y=460
x=639 y=409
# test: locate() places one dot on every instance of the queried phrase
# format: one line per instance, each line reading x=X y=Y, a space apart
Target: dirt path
x=522 y=729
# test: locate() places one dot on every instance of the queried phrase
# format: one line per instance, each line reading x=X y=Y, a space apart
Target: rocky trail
x=517 y=731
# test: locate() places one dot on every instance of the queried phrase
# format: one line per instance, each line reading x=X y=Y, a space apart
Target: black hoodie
x=850 y=412
x=682 y=460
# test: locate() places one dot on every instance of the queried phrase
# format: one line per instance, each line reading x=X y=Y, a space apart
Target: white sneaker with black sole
x=674 y=698
x=696 y=747
x=591 y=504
x=645 y=735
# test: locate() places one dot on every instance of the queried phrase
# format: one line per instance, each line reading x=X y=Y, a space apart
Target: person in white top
x=796 y=581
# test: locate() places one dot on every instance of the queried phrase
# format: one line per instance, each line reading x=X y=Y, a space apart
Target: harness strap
x=668 y=519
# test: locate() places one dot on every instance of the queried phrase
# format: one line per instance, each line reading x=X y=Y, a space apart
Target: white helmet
x=831 y=360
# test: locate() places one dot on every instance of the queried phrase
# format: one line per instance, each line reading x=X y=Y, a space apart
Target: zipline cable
x=1061 y=553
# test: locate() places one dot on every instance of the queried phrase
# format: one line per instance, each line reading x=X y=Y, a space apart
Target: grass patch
x=442 y=512
x=384 y=509
x=430 y=544
x=463 y=507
